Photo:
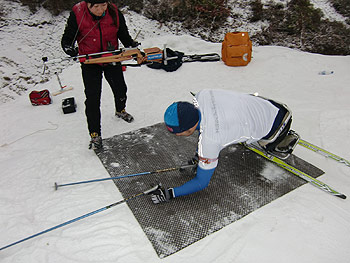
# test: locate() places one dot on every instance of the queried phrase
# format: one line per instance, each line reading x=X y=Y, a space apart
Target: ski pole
x=82 y=217
x=59 y=81
x=124 y=176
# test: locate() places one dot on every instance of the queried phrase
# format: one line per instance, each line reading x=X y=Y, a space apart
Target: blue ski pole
x=82 y=217
x=124 y=176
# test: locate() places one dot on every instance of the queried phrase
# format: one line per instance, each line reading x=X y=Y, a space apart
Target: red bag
x=40 y=97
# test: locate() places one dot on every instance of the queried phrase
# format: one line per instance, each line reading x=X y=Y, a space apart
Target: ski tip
x=56 y=186
x=342 y=196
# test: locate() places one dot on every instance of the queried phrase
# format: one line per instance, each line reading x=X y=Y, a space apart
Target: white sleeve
x=208 y=152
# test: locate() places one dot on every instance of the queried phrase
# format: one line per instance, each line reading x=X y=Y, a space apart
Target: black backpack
x=172 y=62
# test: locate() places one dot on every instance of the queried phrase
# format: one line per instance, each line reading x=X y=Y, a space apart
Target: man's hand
x=194 y=160
x=135 y=43
x=71 y=51
x=161 y=195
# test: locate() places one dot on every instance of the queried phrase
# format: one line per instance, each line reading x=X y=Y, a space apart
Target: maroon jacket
x=81 y=21
x=95 y=35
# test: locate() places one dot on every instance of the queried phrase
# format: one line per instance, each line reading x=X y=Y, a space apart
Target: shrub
x=257 y=11
x=302 y=17
x=342 y=7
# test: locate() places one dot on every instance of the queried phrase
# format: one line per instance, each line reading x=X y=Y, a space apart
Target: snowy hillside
x=27 y=37
x=40 y=146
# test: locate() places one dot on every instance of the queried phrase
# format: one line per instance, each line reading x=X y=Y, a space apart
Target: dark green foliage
x=32 y=4
x=209 y=9
x=54 y=6
x=297 y=24
x=1 y=14
x=301 y=17
x=257 y=9
x=165 y=11
x=342 y=7
x=332 y=38
x=209 y=14
x=300 y=25
x=192 y=13
x=58 y=6
x=135 y=5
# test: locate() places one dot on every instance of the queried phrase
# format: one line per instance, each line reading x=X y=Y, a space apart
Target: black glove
x=135 y=44
x=192 y=169
x=71 y=51
x=161 y=195
x=194 y=160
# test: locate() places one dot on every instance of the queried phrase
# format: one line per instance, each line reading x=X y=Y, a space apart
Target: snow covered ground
x=40 y=146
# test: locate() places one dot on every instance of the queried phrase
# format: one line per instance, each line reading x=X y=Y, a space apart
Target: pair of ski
x=297 y=172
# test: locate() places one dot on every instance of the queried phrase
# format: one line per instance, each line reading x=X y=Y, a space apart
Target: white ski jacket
x=228 y=117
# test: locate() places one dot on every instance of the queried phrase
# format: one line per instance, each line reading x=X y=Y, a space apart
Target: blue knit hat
x=181 y=116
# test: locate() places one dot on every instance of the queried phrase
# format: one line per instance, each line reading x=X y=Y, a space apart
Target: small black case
x=68 y=105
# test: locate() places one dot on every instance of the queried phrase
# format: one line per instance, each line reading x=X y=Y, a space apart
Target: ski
x=323 y=152
x=201 y=58
x=296 y=172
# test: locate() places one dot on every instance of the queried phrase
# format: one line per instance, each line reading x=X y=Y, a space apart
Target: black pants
x=278 y=120
x=92 y=78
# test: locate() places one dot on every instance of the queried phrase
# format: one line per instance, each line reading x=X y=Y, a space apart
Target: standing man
x=223 y=118
x=96 y=26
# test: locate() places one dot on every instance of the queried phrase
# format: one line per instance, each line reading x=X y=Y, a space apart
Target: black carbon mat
x=243 y=182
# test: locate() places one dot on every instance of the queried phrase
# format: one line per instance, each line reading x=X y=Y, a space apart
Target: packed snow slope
x=40 y=146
